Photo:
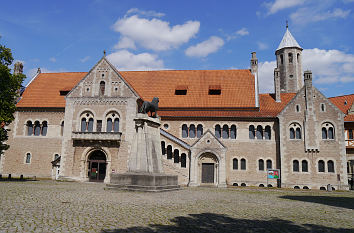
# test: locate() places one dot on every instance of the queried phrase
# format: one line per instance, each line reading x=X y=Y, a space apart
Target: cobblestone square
x=49 y=206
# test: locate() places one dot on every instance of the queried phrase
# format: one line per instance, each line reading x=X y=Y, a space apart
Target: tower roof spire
x=288 y=40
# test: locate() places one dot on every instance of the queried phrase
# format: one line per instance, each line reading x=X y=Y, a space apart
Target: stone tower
x=18 y=68
x=289 y=58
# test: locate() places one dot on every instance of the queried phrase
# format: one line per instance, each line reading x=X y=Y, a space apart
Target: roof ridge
x=340 y=96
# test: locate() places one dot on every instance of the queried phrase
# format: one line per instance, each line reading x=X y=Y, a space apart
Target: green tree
x=10 y=85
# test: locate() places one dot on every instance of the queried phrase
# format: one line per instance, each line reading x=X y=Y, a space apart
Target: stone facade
x=93 y=135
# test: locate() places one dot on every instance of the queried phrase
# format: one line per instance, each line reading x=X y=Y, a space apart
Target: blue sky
x=60 y=36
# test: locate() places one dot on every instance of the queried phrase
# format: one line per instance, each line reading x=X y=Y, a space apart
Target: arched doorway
x=97 y=166
x=208 y=164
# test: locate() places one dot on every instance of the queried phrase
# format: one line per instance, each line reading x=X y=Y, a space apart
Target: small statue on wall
x=151 y=107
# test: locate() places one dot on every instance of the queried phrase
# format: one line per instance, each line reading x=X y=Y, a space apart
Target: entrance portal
x=208 y=172
x=97 y=166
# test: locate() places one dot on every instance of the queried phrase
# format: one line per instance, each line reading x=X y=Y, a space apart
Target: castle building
x=217 y=129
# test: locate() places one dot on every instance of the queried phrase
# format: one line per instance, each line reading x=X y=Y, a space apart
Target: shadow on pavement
x=209 y=222
x=344 y=202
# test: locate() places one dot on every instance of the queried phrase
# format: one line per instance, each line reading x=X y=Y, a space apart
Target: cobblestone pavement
x=49 y=206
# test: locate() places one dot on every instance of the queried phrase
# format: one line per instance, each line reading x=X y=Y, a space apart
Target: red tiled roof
x=344 y=103
x=236 y=99
x=44 y=90
x=237 y=87
x=268 y=108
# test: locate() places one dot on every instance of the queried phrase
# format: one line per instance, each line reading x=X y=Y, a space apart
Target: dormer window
x=64 y=93
x=215 y=90
x=181 y=90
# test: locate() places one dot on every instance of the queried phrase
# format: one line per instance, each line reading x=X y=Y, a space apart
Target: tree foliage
x=10 y=85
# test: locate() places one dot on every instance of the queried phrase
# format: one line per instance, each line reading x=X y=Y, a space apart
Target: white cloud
x=142 y=12
x=266 y=76
x=262 y=46
x=278 y=5
x=154 y=34
x=242 y=32
x=327 y=66
x=85 y=59
x=206 y=47
x=125 y=43
x=309 y=14
x=52 y=59
x=125 y=60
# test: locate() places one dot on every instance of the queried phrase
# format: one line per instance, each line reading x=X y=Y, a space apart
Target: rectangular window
x=99 y=126
x=350 y=134
x=214 y=90
x=181 y=90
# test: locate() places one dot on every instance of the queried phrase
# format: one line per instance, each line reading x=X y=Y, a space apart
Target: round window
x=166 y=126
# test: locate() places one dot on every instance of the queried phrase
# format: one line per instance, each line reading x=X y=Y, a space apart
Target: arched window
x=225 y=131
x=29 y=128
x=267 y=133
x=109 y=125
x=327 y=131
x=192 y=131
x=321 y=166
x=295 y=131
x=259 y=133
x=102 y=88
x=83 y=125
x=243 y=164
x=44 y=128
x=199 y=131
x=116 y=125
x=176 y=156
x=163 y=148
x=323 y=108
x=290 y=55
x=281 y=59
x=56 y=156
x=324 y=133
x=169 y=152
x=292 y=133
x=330 y=166
x=295 y=166
x=235 y=164
x=90 y=125
x=251 y=132
x=28 y=158
x=217 y=131
x=330 y=133
x=297 y=108
x=298 y=133
x=233 y=132
x=62 y=128
x=304 y=166
x=37 y=128
x=183 y=160
x=261 y=165
x=184 y=131
x=269 y=164
x=298 y=58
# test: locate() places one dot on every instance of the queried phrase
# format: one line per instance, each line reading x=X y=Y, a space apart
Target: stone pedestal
x=145 y=171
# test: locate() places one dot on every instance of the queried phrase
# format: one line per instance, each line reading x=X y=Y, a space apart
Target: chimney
x=277 y=85
x=308 y=78
x=254 y=71
x=18 y=68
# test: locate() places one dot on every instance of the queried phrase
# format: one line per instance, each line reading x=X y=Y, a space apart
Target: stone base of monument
x=146 y=182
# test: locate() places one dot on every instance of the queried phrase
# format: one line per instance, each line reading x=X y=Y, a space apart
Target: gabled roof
x=237 y=88
x=44 y=90
x=288 y=41
x=344 y=103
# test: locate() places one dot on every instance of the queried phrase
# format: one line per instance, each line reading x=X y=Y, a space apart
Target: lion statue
x=151 y=107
